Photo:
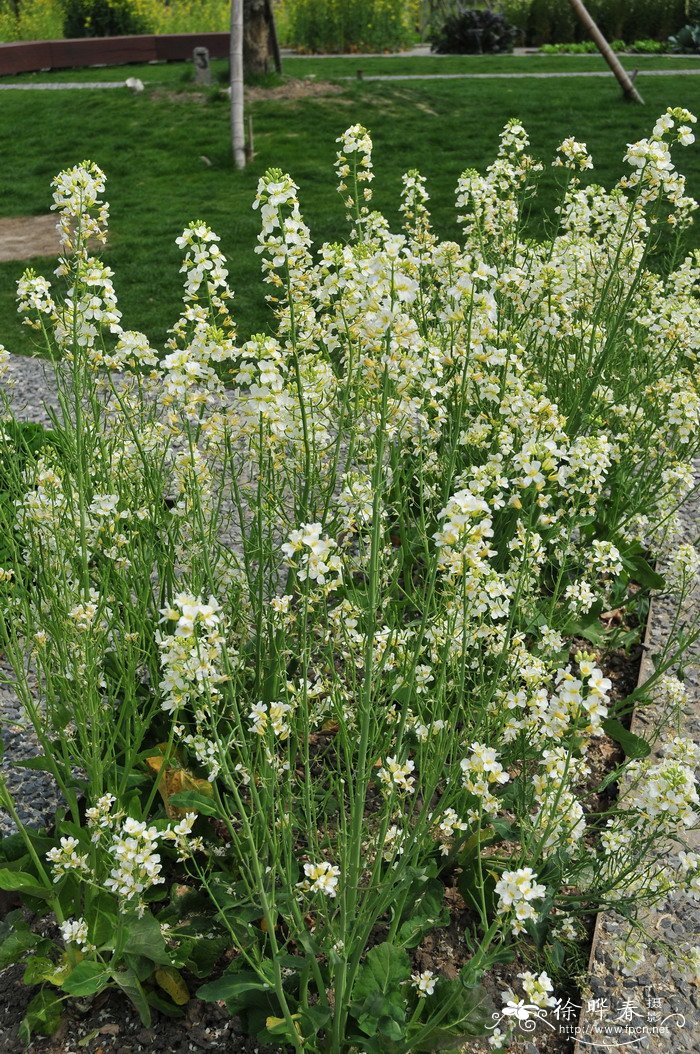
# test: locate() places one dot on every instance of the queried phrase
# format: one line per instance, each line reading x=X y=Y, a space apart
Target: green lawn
x=151 y=147
x=348 y=65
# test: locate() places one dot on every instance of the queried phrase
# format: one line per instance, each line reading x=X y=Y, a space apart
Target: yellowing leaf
x=175 y=779
x=171 y=982
x=278 y=1025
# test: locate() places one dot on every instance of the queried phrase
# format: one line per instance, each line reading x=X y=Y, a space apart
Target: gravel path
x=61 y=86
x=655 y=997
x=81 y=85
x=512 y=76
x=34 y=791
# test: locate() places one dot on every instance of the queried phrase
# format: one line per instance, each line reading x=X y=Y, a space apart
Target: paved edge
x=676 y=919
x=559 y=74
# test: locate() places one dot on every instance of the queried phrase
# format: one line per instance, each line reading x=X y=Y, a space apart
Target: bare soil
x=24 y=237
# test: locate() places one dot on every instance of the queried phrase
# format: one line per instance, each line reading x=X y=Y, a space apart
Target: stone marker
x=202 y=71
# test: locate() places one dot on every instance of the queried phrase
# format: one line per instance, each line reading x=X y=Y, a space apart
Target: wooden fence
x=31 y=55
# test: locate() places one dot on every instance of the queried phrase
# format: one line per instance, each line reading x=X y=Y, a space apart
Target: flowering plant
x=316 y=617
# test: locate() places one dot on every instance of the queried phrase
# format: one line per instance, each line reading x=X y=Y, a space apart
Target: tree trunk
x=606 y=51
x=260 y=49
x=236 y=67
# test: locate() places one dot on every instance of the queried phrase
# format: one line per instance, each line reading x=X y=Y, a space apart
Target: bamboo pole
x=606 y=51
x=236 y=64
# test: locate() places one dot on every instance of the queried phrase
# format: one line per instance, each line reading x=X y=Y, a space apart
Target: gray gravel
x=34 y=792
x=61 y=85
x=33 y=388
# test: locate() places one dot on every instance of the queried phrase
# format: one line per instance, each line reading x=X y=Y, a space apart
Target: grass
x=167 y=157
x=347 y=66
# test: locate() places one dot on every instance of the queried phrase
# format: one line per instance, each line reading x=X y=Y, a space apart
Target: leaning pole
x=607 y=52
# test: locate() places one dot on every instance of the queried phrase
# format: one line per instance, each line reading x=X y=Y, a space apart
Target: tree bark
x=236 y=67
x=261 y=51
x=606 y=51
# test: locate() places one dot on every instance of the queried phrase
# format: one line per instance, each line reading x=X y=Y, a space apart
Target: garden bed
x=351 y=775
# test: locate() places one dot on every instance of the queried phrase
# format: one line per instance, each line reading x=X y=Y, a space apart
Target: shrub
x=318 y=617
x=102 y=18
x=347 y=25
x=553 y=22
x=32 y=20
x=649 y=47
x=686 y=41
x=473 y=31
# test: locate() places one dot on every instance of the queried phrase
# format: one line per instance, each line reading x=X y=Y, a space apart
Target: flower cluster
x=517 y=891
x=320 y=878
x=318 y=562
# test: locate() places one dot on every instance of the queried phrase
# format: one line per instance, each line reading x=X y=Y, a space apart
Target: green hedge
x=553 y=21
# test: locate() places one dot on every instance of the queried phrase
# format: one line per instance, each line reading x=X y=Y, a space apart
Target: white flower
x=65 y=858
x=137 y=864
x=397 y=774
x=321 y=878
x=75 y=931
x=516 y=892
x=424 y=983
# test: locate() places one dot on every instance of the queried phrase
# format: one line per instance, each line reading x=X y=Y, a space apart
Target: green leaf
x=43 y=1015
x=203 y=955
x=87 y=978
x=382 y=1015
x=159 y=1002
x=634 y=746
x=230 y=987
x=194 y=801
x=426 y=912
x=131 y=987
x=470 y=1013
x=385 y=968
x=38 y=970
x=16 y=944
x=21 y=882
x=144 y=938
x=38 y=763
x=642 y=571
x=102 y=920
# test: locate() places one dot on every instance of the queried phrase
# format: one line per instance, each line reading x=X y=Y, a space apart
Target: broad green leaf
x=143 y=937
x=38 y=763
x=470 y=1013
x=384 y=970
x=426 y=912
x=16 y=944
x=131 y=987
x=641 y=571
x=43 y=1015
x=159 y=1002
x=102 y=920
x=230 y=987
x=87 y=978
x=39 y=969
x=21 y=882
x=634 y=746
x=194 y=801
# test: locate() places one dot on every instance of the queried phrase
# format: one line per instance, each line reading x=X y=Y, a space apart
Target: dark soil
x=109 y=1024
